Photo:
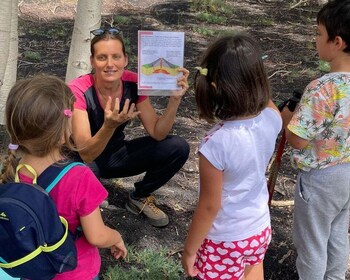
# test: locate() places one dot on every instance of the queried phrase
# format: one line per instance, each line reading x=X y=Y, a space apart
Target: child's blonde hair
x=36 y=118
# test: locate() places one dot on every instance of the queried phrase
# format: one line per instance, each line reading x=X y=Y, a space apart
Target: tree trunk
x=5 y=25
x=321 y=2
x=9 y=50
x=88 y=17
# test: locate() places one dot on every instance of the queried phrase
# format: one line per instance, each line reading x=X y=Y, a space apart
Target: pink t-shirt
x=81 y=84
x=77 y=195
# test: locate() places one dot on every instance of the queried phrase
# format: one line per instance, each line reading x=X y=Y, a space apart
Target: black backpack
x=35 y=242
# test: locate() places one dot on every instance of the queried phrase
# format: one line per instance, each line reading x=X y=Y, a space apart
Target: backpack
x=35 y=242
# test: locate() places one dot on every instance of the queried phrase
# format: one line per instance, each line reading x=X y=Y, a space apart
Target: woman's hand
x=113 y=118
x=158 y=127
x=187 y=262
x=119 y=250
x=183 y=83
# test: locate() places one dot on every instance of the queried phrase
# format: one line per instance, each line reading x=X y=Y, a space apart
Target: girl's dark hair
x=236 y=84
x=106 y=36
x=335 y=16
x=35 y=118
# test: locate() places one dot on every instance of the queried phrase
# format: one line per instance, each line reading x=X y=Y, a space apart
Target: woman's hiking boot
x=147 y=207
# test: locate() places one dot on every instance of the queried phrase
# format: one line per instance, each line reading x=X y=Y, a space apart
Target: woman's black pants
x=160 y=160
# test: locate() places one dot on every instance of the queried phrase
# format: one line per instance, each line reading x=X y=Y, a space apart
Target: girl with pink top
x=38 y=120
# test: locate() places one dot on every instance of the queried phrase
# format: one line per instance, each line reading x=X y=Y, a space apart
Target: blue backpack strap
x=54 y=173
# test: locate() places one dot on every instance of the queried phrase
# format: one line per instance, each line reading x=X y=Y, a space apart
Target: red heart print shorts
x=227 y=260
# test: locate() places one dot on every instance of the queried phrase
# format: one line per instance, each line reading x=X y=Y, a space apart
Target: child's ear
x=340 y=44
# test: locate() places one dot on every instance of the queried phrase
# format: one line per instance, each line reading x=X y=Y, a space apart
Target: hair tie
x=13 y=147
x=202 y=71
x=68 y=113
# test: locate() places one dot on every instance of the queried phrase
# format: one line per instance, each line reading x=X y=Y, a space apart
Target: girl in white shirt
x=230 y=229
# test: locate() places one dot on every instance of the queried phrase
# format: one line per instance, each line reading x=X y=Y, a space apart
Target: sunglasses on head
x=101 y=31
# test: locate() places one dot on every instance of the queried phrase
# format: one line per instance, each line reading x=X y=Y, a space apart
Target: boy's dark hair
x=335 y=16
x=236 y=84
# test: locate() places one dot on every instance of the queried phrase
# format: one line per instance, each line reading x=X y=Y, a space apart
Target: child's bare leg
x=254 y=272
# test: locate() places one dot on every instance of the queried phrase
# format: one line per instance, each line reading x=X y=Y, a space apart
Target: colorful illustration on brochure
x=160 y=66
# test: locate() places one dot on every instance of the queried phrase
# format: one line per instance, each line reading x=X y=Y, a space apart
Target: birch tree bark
x=88 y=18
x=5 y=30
x=321 y=2
x=5 y=42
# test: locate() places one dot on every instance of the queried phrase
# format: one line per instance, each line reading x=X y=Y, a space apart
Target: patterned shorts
x=227 y=260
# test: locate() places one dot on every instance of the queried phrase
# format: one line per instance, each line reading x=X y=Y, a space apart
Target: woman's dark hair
x=106 y=36
x=236 y=84
x=335 y=16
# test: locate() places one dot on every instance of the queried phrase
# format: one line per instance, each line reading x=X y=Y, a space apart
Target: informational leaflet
x=160 y=54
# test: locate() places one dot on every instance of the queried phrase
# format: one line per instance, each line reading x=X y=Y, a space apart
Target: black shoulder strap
x=54 y=173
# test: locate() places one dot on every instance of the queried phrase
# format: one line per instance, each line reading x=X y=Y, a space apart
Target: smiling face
x=108 y=60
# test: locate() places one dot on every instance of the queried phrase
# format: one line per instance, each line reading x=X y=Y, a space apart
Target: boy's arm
x=294 y=140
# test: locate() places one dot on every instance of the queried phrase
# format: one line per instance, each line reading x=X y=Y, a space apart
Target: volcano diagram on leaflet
x=160 y=66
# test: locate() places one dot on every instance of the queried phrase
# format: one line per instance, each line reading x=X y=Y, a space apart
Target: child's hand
x=286 y=115
x=119 y=250
x=187 y=262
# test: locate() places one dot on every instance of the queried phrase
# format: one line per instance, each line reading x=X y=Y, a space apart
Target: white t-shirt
x=242 y=150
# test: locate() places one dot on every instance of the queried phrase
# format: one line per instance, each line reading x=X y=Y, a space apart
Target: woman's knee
x=179 y=145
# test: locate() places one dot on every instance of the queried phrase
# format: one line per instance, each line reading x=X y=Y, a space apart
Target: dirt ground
x=286 y=35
